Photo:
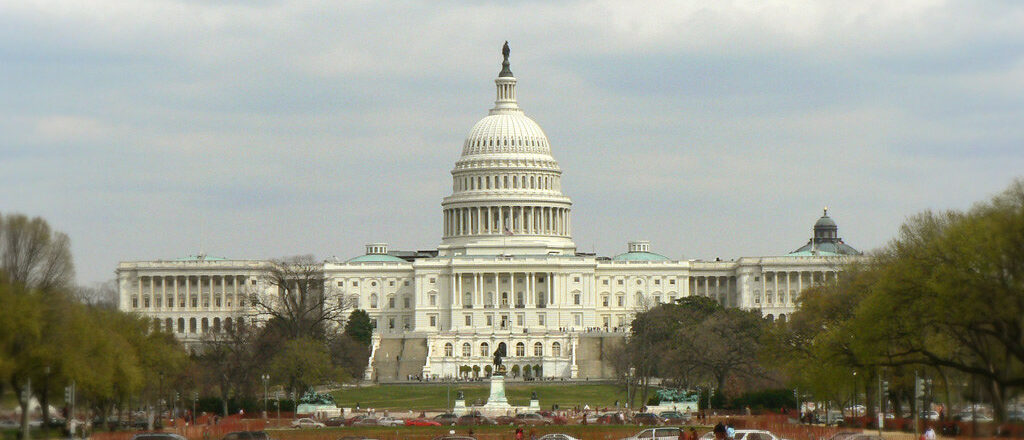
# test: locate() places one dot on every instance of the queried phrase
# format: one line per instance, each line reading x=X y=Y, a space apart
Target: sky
x=156 y=129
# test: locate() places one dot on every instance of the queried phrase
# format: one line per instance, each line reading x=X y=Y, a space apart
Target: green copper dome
x=639 y=256
x=376 y=258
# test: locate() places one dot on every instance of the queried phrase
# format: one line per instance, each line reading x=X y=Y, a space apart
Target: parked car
x=422 y=422
x=657 y=433
x=157 y=436
x=390 y=421
x=475 y=419
x=335 y=421
x=646 y=419
x=446 y=419
x=557 y=436
x=504 y=420
x=612 y=418
x=929 y=415
x=843 y=435
x=246 y=435
x=351 y=420
x=673 y=417
x=554 y=418
x=755 y=434
x=366 y=421
x=532 y=419
x=306 y=422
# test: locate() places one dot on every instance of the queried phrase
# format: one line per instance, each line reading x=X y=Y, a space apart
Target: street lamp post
x=195 y=399
x=854 y=394
x=266 y=380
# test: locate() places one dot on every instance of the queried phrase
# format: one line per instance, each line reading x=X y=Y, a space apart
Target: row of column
x=497 y=220
x=787 y=284
x=176 y=289
x=458 y=281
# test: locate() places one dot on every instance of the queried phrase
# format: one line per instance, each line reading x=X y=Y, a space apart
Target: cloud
x=159 y=128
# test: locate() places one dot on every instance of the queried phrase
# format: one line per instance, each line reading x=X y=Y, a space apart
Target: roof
x=201 y=257
x=376 y=258
x=824 y=248
x=640 y=256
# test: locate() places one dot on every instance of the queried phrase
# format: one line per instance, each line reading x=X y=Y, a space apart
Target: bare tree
x=103 y=294
x=295 y=297
x=33 y=255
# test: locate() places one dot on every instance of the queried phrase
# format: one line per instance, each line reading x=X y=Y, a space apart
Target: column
x=511 y=288
x=163 y=291
x=476 y=285
x=764 y=286
x=452 y=282
x=800 y=281
x=175 y=303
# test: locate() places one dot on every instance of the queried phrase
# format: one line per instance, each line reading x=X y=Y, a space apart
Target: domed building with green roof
x=506 y=275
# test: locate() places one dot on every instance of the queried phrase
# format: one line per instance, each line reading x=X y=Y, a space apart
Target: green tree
x=303 y=363
x=359 y=327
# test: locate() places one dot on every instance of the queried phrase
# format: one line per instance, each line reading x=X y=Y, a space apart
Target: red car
x=421 y=422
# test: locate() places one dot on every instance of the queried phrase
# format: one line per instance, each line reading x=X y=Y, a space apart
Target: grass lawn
x=435 y=397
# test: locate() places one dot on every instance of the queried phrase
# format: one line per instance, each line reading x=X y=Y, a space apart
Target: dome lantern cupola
x=825 y=241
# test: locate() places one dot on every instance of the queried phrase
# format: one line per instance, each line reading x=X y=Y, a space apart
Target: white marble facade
x=506 y=270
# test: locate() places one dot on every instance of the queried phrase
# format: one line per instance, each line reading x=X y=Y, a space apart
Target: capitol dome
x=506 y=186
x=506 y=132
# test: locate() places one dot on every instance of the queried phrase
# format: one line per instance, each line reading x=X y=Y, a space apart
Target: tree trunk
x=24 y=418
x=998 y=393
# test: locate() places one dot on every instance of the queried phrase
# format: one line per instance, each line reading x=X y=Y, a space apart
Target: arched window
x=169 y=325
x=241 y=324
x=467 y=350
x=448 y=349
x=520 y=301
x=192 y=325
x=520 y=349
x=485 y=350
x=538 y=349
x=556 y=349
x=467 y=299
x=206 y=325
x=156 y=324
x=373 y=301
x=216 y=325
x=227 y=324
x=181 y=325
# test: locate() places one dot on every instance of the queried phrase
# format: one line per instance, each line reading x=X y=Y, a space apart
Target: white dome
x=506 y=133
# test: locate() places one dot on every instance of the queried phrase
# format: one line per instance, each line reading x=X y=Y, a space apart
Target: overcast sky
x=260 y=129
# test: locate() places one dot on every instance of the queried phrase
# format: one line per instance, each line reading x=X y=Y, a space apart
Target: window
x=433 y=320
x=576 y=279
x=406 y=282
x=195 y=301
x=253 y=282
x=135 y=302
x=485 y=350
x=538 y=349
x=578 y=319
x=672 y=281
x=391 y=302
x=657 y=299
x=657 y=282
x=373 y=284
x=341 y=284
x=406 y=301
x=619 y=282
x=448 y=349
x=520 y=349
x=467 y=350
x=639 y=282
x=576 y=298
x=469 y=320
x=556 y=349
x=433 y=299
x=604 y=300
x=519 y=319
x=606 y=320
x=355 y=284
x=540 y=279
x=621 y=300
x=490 y=320
x=373 y=301
x=391 y=323
x=217 y=301
x=604 y=282
x=540 y=319
x=181 y=325
x=432 y=280
x=391 y=283
x=757 y=278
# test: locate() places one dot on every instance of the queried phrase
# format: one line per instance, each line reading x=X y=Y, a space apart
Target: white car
x=306 y=422
x=557 y=437
x=755 y=434
x=656 y=433
x=390 y=421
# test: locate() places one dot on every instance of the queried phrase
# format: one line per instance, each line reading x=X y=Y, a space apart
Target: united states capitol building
x=505 y=274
